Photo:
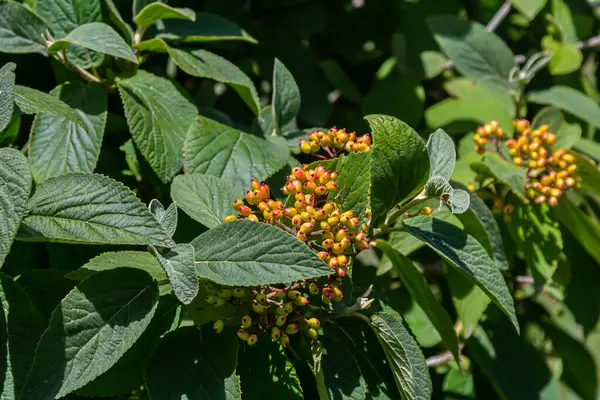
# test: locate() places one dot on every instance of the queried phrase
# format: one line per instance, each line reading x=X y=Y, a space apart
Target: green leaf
x=7 y=89
x=158 y=116
x=418 y=288
x=466 y=254
x=507 y=172
x=475 y=52
x=286 y=96
x=246 y=253
x=569 y=100
x=178 y=262
x=567 y=135
x=120 y=259
x=580 y=225
x=588 y=172
x=539 y=237
x=204 y=64
x=215 y=149
x=57 y=145
x=158 y=11
x=205 y=198
x=399 y=164
x=96 y=36
x=589 y=148
x=201 y=366
x=353 y=181
x=566 y=57
x=563 y=19
x=117 y=20
x=459 y=385
x=468 y=89
x=267 y=360
x=550 y=116
x=21 y=327
x=442 y=155
x=206 y=28
x=529 y=8
x=91 y=208
x=434 y=63
x=340 y=80
x=32 y=101
x=113 y=308
x=46 y=288
x=167 y=218
x=469 y=300
x=342 y=376
x=20 y=29
x=10 y=134
x=15 y=186
x=405 y=358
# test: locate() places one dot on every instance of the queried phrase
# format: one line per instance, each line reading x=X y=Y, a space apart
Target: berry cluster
x=334 y=142
x=488 y=133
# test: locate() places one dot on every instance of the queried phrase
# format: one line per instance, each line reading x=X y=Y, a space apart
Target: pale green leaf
x=566 y=57
x=529 y=8
x=442 y=155
x=57 y=145
x=353 y=181
x=588 y=172
x=201 y=366
x=507 y=172
x=246 y=253
x=167 y=218
x=341 y=374
x=418 y=288
x=178 y=262
x=475 y=52
x=469 y=300
x=215 y=149
x=32 y=101
x=468 y=89
x=586 y=231
x=465 y=253
x=20 y=29
x=158 y=11
x=205 y=198
x=120 y=259
x=589 y=148
x=7 y=94
x=563 y=19
x=286 y=96
x=399 y=164
x=96 y=36
x=158 y=116
x=459 y=201
x=569 y=100
x=404 y=356
x=91 y=208
x=15 y=186
x=107 y=313
x=434 y=63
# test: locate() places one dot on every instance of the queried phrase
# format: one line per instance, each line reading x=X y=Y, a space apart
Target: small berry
x=230 y=218
x=225 y=293
x=293 y=294
x=258 y=308
x=301 y=301
x=242 y=334
x=218 y=326
x=313 y=288
x=292 y=329
x=280 y=320
x=314 y=323
x=312 y=333
x=252 y=339
x=246 y=321
x=275 y=334
x=285 y=340
x=238 y=292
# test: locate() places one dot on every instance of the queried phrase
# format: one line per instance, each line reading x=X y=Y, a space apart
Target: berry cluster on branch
x=334 y=142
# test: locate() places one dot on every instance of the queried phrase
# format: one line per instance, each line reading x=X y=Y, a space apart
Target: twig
x=524 y=279
x=499 y=16
x=442 y=358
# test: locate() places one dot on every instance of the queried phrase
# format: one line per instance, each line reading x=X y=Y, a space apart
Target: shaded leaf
x=178 y=262
x=580 y=225
x=20 y=29
x=529 y=8
x=569 y=100
x=286 y=96
x=341 y=374
x=468 y=299
x=118 y=21
x=120 y=259
x=7 y=92
x=32 y=101
x=158 y=11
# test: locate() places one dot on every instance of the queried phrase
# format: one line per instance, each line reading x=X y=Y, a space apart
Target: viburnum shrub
x=406 y=210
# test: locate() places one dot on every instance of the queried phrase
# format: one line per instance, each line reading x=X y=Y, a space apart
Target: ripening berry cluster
x=334 y=142
x=488 y=133
x=280 y=312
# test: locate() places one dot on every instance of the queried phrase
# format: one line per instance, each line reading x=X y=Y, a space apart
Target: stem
x=399 y=211
x=139 y=34
x=84 y=74
x=286 y=228
x=499 y=16
x=442 y=358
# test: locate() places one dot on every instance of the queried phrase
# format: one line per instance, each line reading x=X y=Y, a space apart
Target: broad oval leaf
x=158 y=11
x=201 y=366
x=550 y=116
x=286 y=96
x=414 y=281
x=507 y=172
x=404 y=356
x=246 y=253
x=475 y=52
x=20 y=29
x=32 y=101
x=158 y=116
x=399 y=164
x=477 y=91
x=7 y=90
x=354 y=182
x=15 y=186
x=57 y=145
x=106 y=314
x=205 y=198
x=442 y=155
x=566 y=57
x=120 y=259
x=341 y=374
x=91 y=208
x=215 y=149
x=96 y=36
x=467 y=255
x=178 y=263
x=569 y=100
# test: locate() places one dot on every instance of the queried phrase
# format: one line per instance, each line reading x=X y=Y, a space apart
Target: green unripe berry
x=246 y=321
x=238 y=292
x=211 y=299
x=285 y=340
x=314 y=323
x=218 y=326
x=210 y=289
x=313 y=288
x=252 y=340
x=242 y=334
x=280 y=311
x=225 y=293
x=292 y=329
x=280 y=321
x=301 y=301
x=258 y=308
x=288 y=308
x=293 y=294
x=220 y=302
x=260 y=298
x=312 y=333
x=275 y=334
x=280 y=296
x=325 y=299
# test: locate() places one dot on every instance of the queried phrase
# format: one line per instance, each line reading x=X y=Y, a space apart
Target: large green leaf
x=414 y=281
x=468 y=89
x=405 y=358
x=20 y=29
x=580 y=225
x=58 y=146
x=286 y=96
x=158 y=11
x=207 y=27
x=507 y=172
x=32 y=101
x=529 y=8
x=465 y=253
x=158 y=116
x=96 y=36
x=246 y=253
x=20 y=329
x=106 y=314
x=115 y=17
x=278 y=376
x=205 y=198
x=120 y=259
x=7 y=89
x=15 y=186
x=569 y=100
x=178 y=263
x=201 y=366
x=442 y=155
x=91 y=208
x=475 y=52
x=341 y=373
x=469 y=300
x=399 y=164
x=354 y=180
x=215 y=149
